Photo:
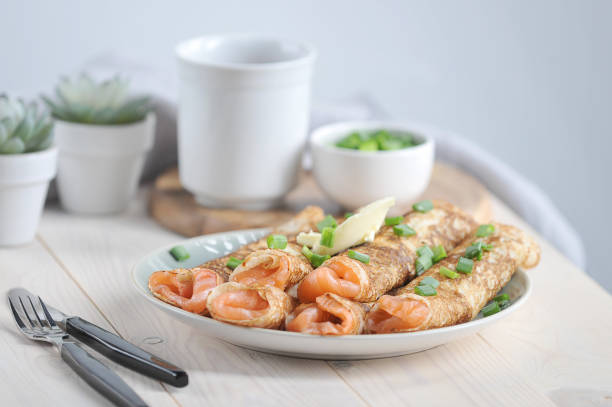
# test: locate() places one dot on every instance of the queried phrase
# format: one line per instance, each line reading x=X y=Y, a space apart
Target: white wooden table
x=556 y=350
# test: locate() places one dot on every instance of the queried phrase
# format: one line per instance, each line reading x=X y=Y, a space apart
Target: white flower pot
x=99 y=166
x=24 y=180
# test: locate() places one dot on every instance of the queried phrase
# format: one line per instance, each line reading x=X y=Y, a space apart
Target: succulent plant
x=83 y=100
x=23 y=128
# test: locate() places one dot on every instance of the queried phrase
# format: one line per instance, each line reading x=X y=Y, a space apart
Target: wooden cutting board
x=176 y=209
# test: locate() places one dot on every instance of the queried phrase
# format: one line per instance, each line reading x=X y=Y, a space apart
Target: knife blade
x=119 y=350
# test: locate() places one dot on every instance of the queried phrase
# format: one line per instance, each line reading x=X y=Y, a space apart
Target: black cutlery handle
x=125 y=353
x=101 y=378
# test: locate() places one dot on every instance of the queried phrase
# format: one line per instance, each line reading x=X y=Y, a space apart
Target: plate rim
x=276 y=333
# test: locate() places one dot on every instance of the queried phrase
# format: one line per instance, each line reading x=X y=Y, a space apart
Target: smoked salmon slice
x=187 y=289
x=238 y=304
x=329 y=315
x=278 y=268
x=339 y=275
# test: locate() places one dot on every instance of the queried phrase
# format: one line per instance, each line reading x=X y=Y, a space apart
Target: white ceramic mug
x=244 y=103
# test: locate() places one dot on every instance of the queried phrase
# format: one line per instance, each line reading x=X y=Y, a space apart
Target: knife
x=119 y=350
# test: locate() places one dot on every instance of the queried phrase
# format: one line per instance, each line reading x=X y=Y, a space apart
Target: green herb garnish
x=327 y=237
x=327 y=222
x=446 y=272
x=423 y=206
x=364 y=258
x=396 y=220
x=179 y=253
x=438 y=253
x=425 y=290
x=464 y=265
x=277 y=241
x=233 y=263
x=403 y=230
x=485 y=230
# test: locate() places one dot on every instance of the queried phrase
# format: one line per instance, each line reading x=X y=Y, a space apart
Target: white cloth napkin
x=523 y=196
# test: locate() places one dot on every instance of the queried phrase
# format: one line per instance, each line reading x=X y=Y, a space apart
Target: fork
x=35 y=322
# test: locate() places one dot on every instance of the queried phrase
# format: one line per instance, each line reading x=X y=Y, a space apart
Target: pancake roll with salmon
x=391 y=256
x=281 y=268
x=260 y=307
x=463 y=287
x=187 y=289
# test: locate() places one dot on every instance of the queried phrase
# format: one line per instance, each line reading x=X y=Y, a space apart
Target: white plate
x=207 y=247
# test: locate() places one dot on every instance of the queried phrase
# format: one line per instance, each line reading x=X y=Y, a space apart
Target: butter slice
x=357 y=229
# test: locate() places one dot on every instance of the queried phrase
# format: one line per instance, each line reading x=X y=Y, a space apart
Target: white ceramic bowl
x=355 y=178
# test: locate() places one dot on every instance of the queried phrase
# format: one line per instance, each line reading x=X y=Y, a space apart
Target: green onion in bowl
x=377 y=140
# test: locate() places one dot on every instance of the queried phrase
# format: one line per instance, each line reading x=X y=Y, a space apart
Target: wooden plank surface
x=175 y=208
x=556 y=349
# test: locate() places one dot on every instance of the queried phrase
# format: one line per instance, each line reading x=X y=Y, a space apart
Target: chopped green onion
x=485 y=230
x=392 y=144
x=403 y=230
x=327 y=222
x=438 y=253
x=233 y=262
x=277 y=241
x=487 y=247
x=422 y=264
x=369 y=145
x=464 y=265
x=501 y=297
x=423 y=206
x=425 y=290
x=446 y=272
x=364 y=258
x=315 y=259
x=474 y=251
x=492 y=308
x=348 y=215
x=396 y=220
x=428 y=280
x=179 y=253
x=425 y=251
x=327 y=237
x=307 y=252
x=504 y=304
x=352 y=141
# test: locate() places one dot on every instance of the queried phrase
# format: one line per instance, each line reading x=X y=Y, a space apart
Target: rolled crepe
x=280 y=268
x=261 y=307
x=392 y=258
x=185 y=288
x=304 y=221
x=457 y=300
x=330 y=314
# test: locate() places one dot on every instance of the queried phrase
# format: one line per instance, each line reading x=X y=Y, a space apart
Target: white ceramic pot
x=355 y=178
x=24 y=180
x=99 y=166
x=243 y=117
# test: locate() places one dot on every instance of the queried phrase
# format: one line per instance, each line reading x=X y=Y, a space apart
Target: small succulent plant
x=83 y=100
x=23 y=128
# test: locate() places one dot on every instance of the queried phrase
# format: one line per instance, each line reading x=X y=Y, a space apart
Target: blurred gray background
x=531 y=81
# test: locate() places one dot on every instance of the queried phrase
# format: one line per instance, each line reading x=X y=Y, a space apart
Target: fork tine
x=36 y=312
x=27 y=314
x=16 y=315
x=48 y=316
